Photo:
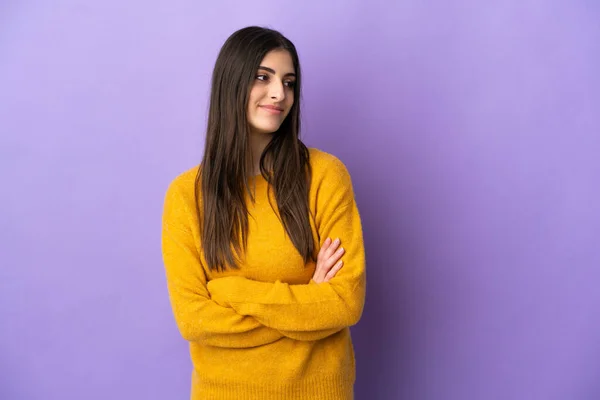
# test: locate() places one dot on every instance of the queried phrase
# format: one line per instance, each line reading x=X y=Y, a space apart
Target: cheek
x=255 y=95
x=291 y=103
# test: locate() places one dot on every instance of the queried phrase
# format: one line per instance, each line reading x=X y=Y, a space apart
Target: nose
x=277 y=91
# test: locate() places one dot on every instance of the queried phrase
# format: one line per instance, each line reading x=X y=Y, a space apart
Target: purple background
x=472 y=133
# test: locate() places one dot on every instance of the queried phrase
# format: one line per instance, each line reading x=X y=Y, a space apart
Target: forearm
x=308 y=336
x=293 y=308
x=214 y=325
x=220 y=326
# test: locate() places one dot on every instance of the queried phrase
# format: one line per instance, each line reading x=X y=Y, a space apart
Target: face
x=272 y=93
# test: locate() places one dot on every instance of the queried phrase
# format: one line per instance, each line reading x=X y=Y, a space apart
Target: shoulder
x=319 y=157
x=327 y=167
x=331 y=181
x=182 y=187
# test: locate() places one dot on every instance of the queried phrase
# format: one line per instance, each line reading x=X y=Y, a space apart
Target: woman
x=266 y=315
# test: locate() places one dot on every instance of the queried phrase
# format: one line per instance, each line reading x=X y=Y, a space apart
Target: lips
x=273 y=109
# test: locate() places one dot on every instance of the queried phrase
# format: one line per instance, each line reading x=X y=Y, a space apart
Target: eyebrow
x=273 y=71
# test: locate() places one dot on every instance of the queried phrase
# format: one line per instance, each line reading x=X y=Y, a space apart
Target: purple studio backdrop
x=472 y=133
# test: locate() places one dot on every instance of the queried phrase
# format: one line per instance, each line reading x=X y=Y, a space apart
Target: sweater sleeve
x=332 y=305
x=197 y=316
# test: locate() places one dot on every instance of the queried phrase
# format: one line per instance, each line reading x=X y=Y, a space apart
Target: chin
x=265 y=129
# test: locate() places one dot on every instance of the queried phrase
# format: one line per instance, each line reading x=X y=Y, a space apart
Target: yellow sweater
x=267 y=331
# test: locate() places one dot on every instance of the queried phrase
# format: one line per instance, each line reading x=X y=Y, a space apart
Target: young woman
x=257 y=286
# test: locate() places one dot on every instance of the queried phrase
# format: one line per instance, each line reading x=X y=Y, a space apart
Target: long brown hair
x=222 y=178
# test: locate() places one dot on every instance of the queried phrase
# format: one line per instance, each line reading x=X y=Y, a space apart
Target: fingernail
x=337 y=240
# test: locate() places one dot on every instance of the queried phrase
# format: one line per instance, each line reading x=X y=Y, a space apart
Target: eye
x=262 y=77
x=290 y=84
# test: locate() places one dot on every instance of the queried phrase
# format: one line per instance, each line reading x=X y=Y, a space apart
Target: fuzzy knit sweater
x=267 y=331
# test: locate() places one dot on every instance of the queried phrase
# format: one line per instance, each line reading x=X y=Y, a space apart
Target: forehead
x=279 y=60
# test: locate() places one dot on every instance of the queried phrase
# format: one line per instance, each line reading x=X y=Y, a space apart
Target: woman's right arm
x=197 y=316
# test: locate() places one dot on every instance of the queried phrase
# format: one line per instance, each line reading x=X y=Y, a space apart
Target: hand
x=328 y=261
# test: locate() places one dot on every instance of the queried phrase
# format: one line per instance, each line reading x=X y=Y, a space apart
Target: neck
x=258 y=143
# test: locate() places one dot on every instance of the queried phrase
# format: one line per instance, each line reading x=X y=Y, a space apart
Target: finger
x=328 y=264
x=323 y=249
x=332 y=248
x=333 y=271
x=336 y=256
x=320 y=271
x=328 y=259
